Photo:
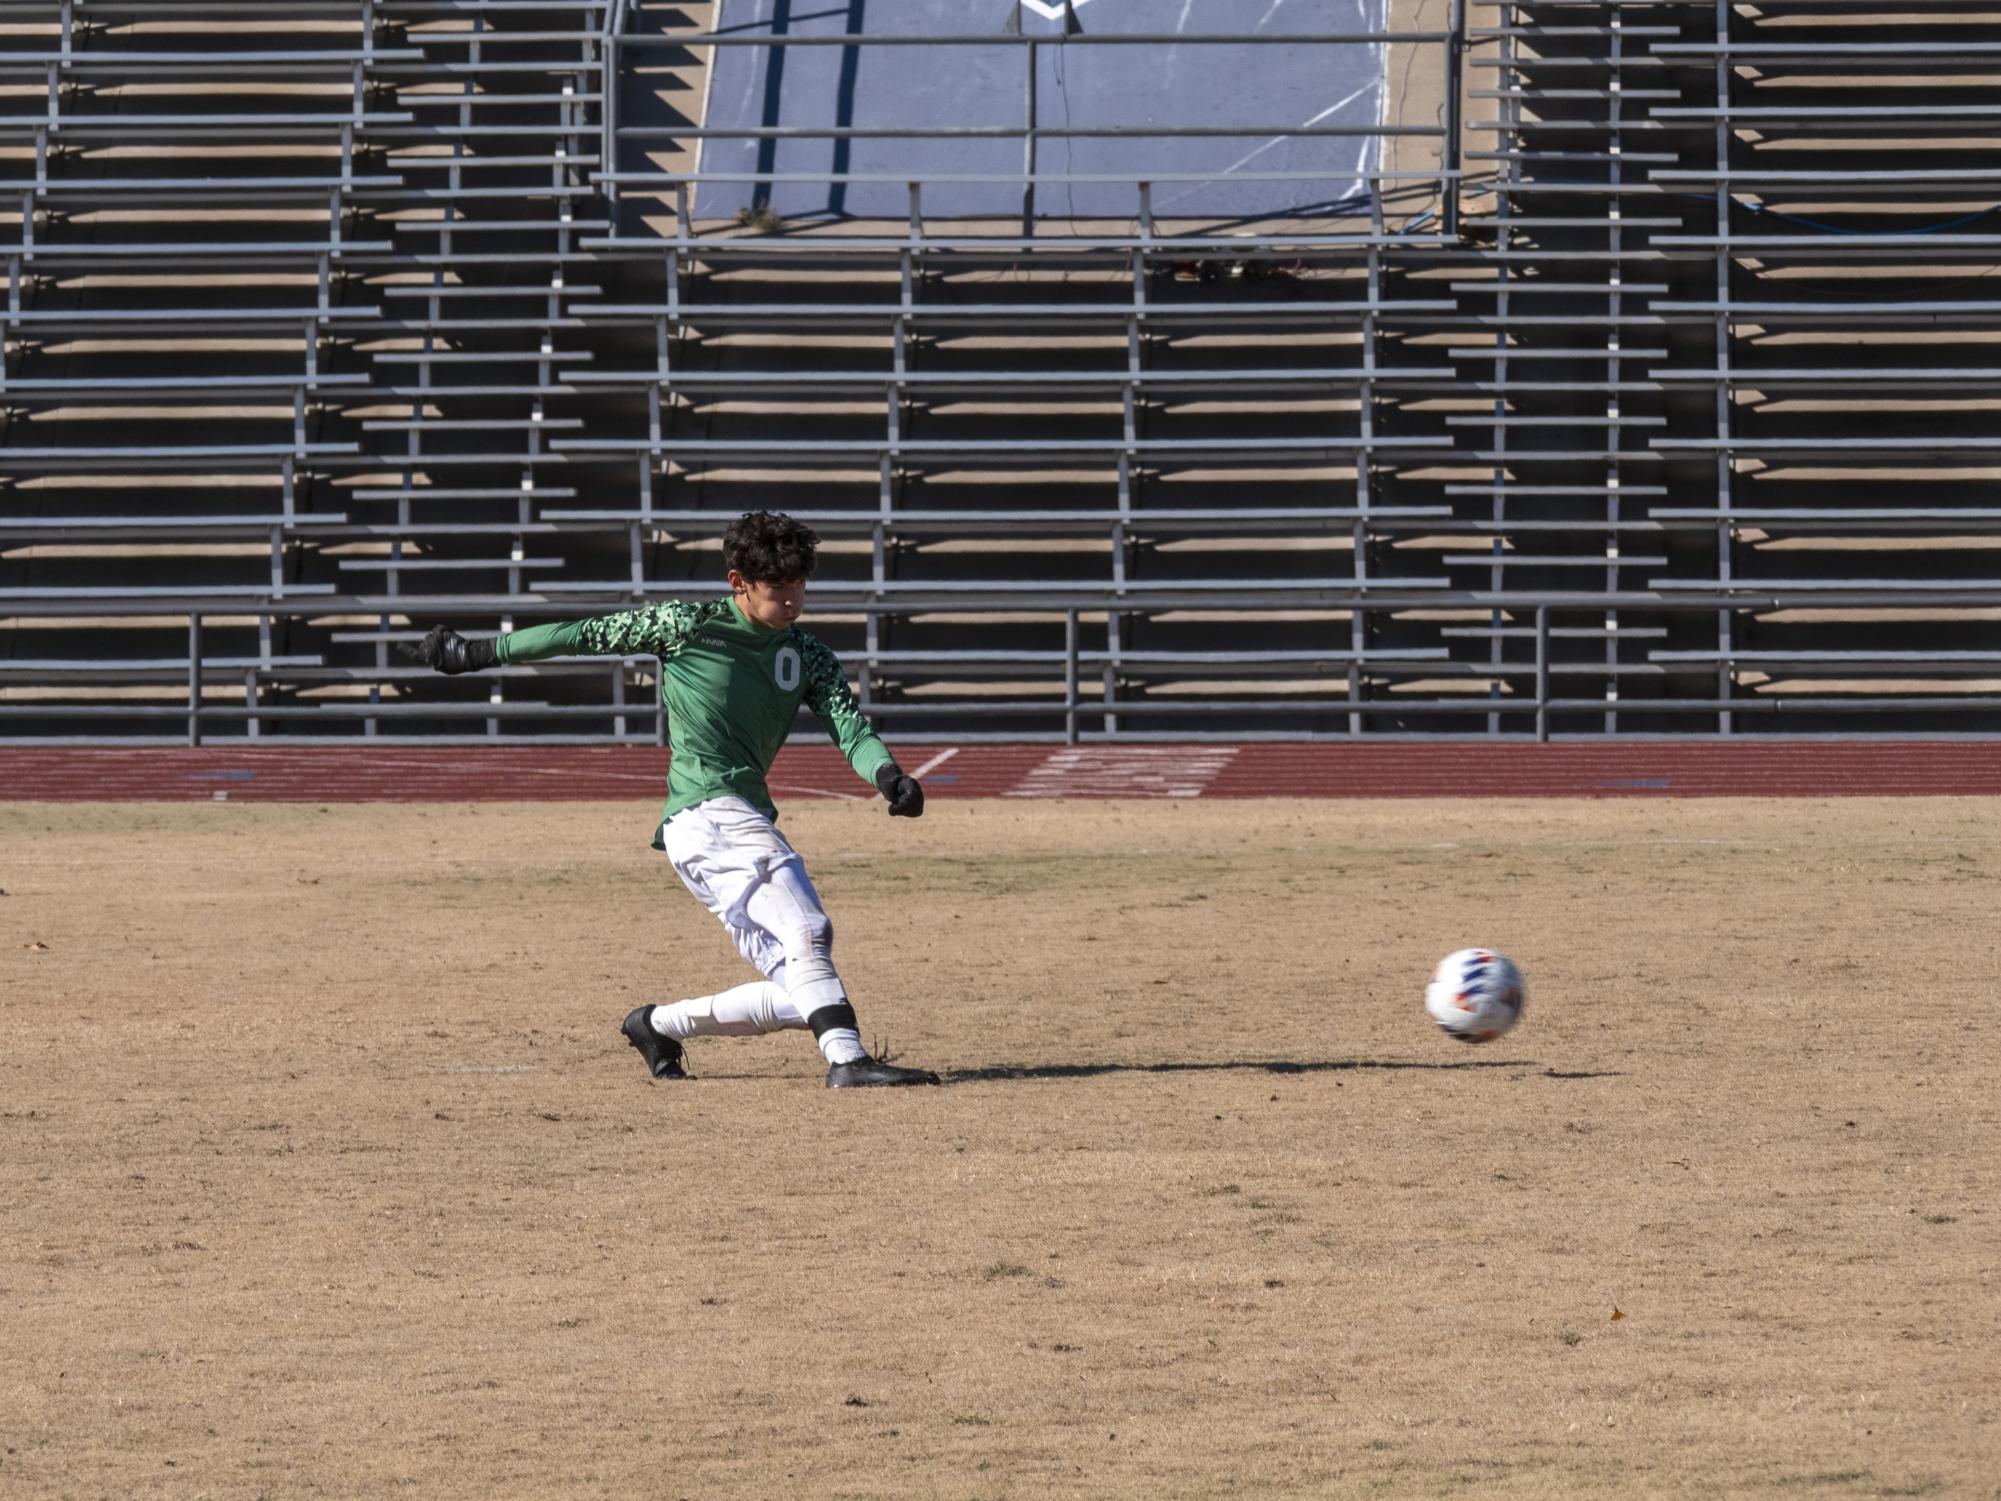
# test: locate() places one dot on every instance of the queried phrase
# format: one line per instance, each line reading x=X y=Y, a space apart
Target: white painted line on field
x=846 y=797
x=934 y=763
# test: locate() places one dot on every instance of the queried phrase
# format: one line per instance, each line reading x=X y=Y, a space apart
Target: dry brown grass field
x=326 y=1172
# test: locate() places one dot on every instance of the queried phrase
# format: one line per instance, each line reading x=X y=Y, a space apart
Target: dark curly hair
x=770 y=548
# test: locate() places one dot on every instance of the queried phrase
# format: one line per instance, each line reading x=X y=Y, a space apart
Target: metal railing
x=1525 y=693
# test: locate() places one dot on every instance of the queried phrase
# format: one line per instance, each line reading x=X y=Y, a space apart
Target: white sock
x=842 y=1045
x=759 y=1006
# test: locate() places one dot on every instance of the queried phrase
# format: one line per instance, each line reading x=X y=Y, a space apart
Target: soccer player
x=733 y=672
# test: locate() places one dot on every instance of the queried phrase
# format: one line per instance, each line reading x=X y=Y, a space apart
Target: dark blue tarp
x=1144 y=85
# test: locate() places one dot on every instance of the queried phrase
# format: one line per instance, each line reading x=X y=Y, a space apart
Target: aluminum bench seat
x=339 y=60
x=413 y=322
x=413 y=194
x=1821 y=246
x=1913 y=178
x=223 y=598
x=340 y=529
x=432 y=67
x=1545 y=287
x=1000 y=381
x=1795 y=520
x=1555 y=387
x=150 y=255
x=1808 y=310
x=56 y=670
x=470 y=424
x=246 y=188
x=1038 y=451
x=1895 y=115
x=1882 y=590
x=1543 y=31
x=1566 y=456
x=1530 y=487
x=1593 y=526
x=472 y=390
x=429 y=34
x=487 y=357
x=1016 y=315
x=1041 y=523
x=1550 y=352
x=1551 y=560
x=390 y=9
x=1566 y=419
x=1878 y=52
x=1841 y=662
x=178 y=387
x=389 y=257
x=715 y=246
x=168 y=456
x=453 y=292
x=461 y=492
x=1555 y=632
x=199 y=126
x=427 y=564
x=165 y=528
x=108 y=319
x=1820 y=447
x=492 y=226
x=1854 y=378
x=408 y=159
x=419 y=96
x=892 y=595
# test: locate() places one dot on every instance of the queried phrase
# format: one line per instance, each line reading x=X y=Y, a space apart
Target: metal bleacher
x=1645 y=387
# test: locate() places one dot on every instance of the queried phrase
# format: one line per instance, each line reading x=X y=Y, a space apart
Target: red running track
x=1375 y=770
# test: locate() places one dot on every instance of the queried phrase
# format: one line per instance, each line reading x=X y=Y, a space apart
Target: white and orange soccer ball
x=1475 y=995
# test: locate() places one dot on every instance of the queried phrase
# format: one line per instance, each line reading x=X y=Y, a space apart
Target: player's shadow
x=1004 y=1072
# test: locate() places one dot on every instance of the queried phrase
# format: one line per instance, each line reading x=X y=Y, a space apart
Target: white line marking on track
x=934 y=763
x=445 y=768
x=1125 y=771
x=846 y=797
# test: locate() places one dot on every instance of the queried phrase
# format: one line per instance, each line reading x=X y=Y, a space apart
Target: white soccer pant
x=742 y=869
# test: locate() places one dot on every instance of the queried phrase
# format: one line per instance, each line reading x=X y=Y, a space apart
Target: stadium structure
x=1525 y=370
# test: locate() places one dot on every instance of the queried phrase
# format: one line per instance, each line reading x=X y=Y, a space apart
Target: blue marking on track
x=221 y=776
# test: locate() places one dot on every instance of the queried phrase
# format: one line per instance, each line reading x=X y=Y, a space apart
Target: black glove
x=906 y=798
x=445 y=650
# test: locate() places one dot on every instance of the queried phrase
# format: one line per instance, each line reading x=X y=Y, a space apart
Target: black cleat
x=871 y=1073
x=662 y=1054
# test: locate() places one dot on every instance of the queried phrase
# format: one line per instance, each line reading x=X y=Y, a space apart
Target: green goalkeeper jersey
x=732 y=688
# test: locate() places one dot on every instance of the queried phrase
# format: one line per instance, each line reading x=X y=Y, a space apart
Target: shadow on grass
x=1003 y=1072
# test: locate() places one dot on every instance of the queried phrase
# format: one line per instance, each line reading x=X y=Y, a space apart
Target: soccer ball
x=1475 y=995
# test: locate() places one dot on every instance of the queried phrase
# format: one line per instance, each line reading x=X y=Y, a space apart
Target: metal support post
x=194 y=680
x=1028 y=148
x=1542 y=672
x=1451 y=154
x=1069 y=677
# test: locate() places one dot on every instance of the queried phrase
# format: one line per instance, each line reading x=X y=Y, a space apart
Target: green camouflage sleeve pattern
x=833 y=701
x=654 y=631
